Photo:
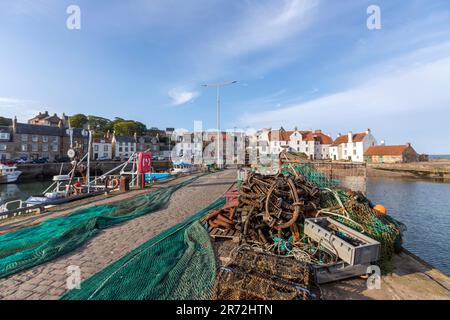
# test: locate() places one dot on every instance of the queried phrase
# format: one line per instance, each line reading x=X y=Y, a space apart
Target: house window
x=105 y=148
x=44 y=138
x=354 y=152
x=24 y=147
x=54 y=147
x=34 y=138
x=55 y=139
x=34 y=147
x=2 y=147
x=105 y=155
x=126 y=149
x=45 y=147
x=24 y=137
x=4 y=136
x=120 y=149
x=96 y=147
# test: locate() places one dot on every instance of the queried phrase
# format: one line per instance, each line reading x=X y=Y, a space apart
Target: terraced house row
x=48 y=137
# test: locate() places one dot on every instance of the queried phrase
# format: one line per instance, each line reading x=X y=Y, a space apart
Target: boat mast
x=88 y=174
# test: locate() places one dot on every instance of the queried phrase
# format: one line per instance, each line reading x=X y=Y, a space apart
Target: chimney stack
x=350 y=137
x=408 y=144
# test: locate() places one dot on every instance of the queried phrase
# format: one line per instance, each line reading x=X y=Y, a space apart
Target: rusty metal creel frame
x=296 y=204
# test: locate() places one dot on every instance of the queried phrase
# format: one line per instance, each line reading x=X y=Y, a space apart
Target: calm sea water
x=425 y=209
x=422 y=205
x=21 y=191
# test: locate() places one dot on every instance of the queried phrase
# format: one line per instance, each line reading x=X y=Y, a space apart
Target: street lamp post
x=218 y=86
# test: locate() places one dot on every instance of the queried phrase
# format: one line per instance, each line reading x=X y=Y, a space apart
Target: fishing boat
x=57 y=195
x=183 y=167
x=8 y=173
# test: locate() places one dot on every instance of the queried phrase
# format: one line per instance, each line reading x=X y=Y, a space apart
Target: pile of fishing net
x=178 y=264
x=34 y=245
x=350 y=208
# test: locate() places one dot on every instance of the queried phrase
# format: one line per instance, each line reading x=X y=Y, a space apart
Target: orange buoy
x=380 y=209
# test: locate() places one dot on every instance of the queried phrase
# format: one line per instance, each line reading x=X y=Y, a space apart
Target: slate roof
x=126 y=139
x=24 y=128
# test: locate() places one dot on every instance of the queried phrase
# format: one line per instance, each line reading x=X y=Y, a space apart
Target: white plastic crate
x=319 y=230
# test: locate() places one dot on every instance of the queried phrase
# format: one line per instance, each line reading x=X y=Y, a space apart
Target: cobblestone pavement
x=48 y=281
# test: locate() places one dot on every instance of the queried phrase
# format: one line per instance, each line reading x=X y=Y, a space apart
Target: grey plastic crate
x=318 y=229
x=338 y=271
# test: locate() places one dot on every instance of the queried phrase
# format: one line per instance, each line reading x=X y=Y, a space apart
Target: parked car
x=41 y=160
x=21 y=161
x=103 y=159
x=8 y=162
x=62 y=159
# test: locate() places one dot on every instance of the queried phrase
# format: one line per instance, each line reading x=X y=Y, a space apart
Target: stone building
x=391 y=154
x=38 y=141
x=45 y=119
x=6 y=143
x=148 y=143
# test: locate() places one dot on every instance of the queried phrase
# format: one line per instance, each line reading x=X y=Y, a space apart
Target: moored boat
x=8 y=173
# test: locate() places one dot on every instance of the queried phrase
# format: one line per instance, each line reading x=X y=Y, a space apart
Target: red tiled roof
x=357 y=137
x=323 y=138
x=386 y=150
x=282 y=135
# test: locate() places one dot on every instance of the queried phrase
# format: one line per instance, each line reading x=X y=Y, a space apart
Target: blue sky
x=306 y=63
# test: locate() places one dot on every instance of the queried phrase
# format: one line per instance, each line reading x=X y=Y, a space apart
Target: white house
x=101 y=149
x=352 y=146
x=315 y=144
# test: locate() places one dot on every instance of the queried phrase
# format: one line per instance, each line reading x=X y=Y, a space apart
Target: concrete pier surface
x=48 y=281
x=412 y=278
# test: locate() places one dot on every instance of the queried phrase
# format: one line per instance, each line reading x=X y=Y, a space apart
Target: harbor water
x=22 y=191
x=423 y=206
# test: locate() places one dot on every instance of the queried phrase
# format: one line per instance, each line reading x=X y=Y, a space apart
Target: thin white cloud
x=23 y=109
x=416 y=87
x=265 y=25
x=180 y=97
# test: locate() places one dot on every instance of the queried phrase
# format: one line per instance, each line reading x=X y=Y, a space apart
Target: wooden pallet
x=221 y=234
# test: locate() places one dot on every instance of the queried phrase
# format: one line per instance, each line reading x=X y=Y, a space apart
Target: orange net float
x=380 y=209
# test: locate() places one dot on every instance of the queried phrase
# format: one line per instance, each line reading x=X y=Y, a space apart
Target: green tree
x=78 y=120
x=98 y=124
x=128 y=127
x=5 y=121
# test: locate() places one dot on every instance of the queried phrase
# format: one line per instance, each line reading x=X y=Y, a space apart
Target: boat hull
x=10 y=177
